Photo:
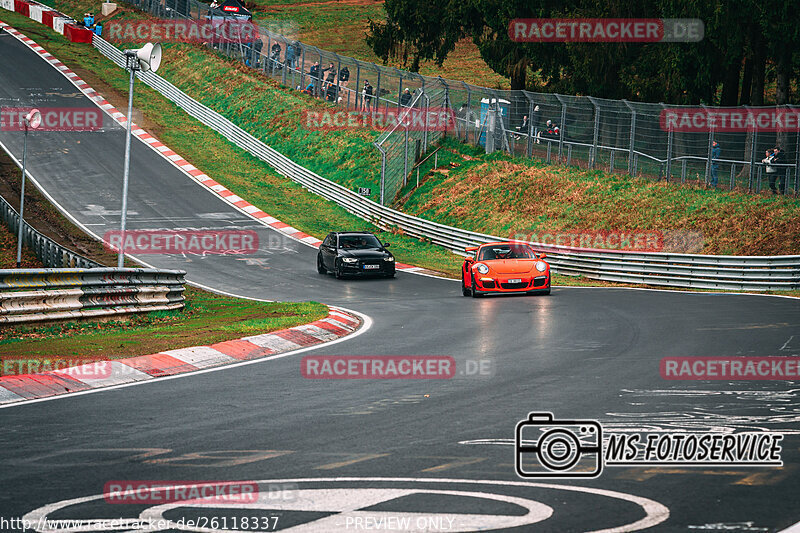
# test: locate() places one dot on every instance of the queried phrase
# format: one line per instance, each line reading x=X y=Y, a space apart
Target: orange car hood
x=511 y=266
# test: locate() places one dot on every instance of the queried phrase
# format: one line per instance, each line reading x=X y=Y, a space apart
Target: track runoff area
x=542 y=413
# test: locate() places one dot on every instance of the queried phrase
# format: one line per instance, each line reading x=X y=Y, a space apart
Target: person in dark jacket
x=405 y=98
x=716 y=152
x=344 y=76
x=779 y=176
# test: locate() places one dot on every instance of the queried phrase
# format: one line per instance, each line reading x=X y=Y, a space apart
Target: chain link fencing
x=583 y=131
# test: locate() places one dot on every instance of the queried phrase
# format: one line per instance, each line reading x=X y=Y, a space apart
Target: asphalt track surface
x=580 y=353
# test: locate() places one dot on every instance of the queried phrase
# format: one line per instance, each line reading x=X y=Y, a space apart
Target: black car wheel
x=464 y=290
x=338 y=271
x=320 y=265
x=475 y=293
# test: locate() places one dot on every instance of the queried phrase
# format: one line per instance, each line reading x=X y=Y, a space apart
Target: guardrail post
x=593 y=156
x=632 y=140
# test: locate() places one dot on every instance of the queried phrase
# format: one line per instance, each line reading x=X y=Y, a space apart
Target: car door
x=328 y=251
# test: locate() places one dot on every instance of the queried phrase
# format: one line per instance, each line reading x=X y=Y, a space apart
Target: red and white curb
x=338 y=324
x=176 y=160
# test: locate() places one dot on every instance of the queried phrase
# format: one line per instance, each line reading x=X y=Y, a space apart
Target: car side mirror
x=542 y=256
x=386 y=245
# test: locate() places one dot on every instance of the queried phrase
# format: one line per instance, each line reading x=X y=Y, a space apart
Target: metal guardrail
x=727 y=272
x=49 y=252
x=36 y=295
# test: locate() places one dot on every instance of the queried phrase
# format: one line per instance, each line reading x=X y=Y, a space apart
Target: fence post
x=632 y=140
x=670 y=138
x=531 y=106
x=405 y=156
x=563 y=127
x=708 y=155
x=357 y=90
x=427 y=110
x=468 y=114
x=796 y=161
x=302 y=67
x=400 y=90
x=593 y=157
x=611 y=161
x=383 y=169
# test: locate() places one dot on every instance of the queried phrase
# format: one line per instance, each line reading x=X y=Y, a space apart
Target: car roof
x=502 y=243
x=353 y=233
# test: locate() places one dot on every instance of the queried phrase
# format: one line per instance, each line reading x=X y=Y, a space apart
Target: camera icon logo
x=548 y=448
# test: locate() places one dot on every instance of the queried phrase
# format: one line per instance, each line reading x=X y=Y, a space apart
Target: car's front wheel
x=320 y=265
x=475 y=293
x=338 y=271
x=465 y=291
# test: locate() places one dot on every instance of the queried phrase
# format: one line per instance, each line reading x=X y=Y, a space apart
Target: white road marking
x=338 y=500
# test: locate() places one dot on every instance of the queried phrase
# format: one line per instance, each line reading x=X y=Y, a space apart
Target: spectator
x=315 y=75
x=88 y=20
x=290 y=55
x=344 y=76
x=522 y=129
x=769 y=169
x=716 y=151
x=366 y=95
x=405 y=98
x=275 y=57
x=778 y=158
x=330 y=78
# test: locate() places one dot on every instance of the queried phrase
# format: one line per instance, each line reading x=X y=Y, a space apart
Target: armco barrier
x=658 y=269
x=49 y=252
x=36 y=295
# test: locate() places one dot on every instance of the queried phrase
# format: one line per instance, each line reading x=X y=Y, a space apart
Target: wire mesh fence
x=592 y=133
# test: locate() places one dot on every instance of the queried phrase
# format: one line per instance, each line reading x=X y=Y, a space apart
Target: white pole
x=124 y=213
x=22 y=198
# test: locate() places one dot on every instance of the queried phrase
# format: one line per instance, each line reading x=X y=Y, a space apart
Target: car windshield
x=505 y=251
x=358 y=242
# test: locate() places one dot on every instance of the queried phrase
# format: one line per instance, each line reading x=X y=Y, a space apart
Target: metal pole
x=529 y=146
x=596 y=132
x=632 y=137
x=563 y=128
x=126 y=172
x=22 y=198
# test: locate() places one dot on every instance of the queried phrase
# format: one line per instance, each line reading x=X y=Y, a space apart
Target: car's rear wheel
x=320 y=265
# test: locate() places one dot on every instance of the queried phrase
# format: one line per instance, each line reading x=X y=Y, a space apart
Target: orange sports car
x=504 y=267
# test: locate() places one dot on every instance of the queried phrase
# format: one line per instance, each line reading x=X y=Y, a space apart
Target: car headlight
x=349 y=260
x=481 y=268
x=390 y=258
x=541 y=266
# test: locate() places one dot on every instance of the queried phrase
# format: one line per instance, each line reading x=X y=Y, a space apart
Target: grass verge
x=208 y=318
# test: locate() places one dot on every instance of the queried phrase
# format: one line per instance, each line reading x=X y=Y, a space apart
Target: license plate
x=369 y=267
x=515 y=281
